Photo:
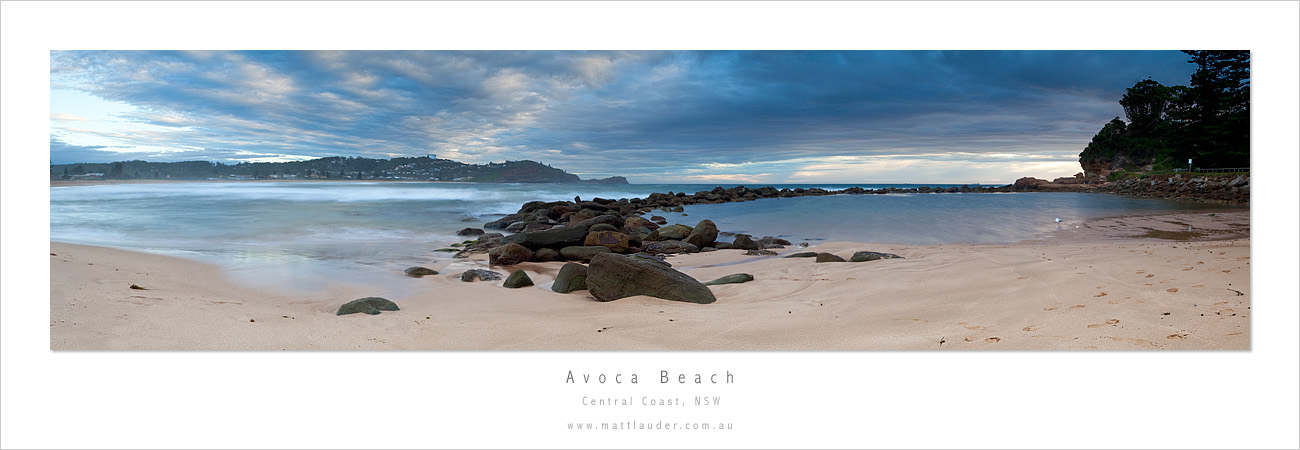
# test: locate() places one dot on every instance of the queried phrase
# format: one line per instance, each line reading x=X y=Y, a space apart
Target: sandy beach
x=1126 y=283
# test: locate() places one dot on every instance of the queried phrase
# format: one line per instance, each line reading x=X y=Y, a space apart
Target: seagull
x=1058 y=223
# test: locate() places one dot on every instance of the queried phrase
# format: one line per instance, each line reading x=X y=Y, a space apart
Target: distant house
x=87 y=176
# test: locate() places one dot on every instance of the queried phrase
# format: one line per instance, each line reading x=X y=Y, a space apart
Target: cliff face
x=1117 y=146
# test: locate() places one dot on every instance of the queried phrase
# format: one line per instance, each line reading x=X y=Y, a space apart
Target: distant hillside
x=331 y=168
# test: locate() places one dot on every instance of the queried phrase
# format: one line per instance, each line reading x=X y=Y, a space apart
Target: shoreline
x=1223 y=189
x=1087 y=289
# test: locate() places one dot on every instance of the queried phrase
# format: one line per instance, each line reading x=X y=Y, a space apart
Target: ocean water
x=303 y=236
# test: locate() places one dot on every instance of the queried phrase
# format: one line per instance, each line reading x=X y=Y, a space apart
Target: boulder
x=871 y=256
x=668 y=247
x=469 y=232
x=572 y=277
x=546 y=255
x=772 y=242
x=615 y=241
x=582 y=253
x=659 y=220
x=674 y=232
x=612 y=219
x=657 y=259
x=602 y=227
x=744 y=242
x=418 y=272
x=827 y=257
x=760 y=253
x=703 y=234
x=632 y=224
x=735 y=278
x=612 y=277
x=368 y=305
x=480 y=274
x=518 y=279
x=509 y=255
x=553 y=238
x=802 y=255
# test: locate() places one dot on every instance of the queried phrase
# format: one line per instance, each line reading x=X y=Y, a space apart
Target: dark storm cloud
x=607 y=113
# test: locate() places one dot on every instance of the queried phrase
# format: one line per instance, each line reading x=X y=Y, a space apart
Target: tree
x=117 y=170
x=1215 y=114
x=1145 y=105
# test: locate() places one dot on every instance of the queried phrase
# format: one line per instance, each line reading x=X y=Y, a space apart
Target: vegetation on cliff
x=1208 y=122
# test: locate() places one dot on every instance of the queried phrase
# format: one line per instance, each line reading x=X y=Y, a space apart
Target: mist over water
x=305 y=235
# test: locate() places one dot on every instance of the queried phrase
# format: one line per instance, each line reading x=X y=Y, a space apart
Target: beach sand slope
x=1070 y=293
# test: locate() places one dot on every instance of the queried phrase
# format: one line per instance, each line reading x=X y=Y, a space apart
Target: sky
x=985 y=117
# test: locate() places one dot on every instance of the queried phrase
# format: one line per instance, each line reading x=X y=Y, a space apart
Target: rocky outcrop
x=611 y=277
x=367 y=305
x=1224 y=189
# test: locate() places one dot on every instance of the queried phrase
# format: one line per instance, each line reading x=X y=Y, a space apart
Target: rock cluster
x=1225 y=189
x=1228 y=189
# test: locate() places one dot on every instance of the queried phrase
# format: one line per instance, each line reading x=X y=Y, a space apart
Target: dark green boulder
x=871 y=256
x=802 y=255
x=572 y=277
x=827 y=257
x=368 y=305
x=735 y=278
x=418 y=272
x=518 y=279
x=675 y=232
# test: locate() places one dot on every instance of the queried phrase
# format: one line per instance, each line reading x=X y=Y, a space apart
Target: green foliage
x=1145 y=104
x=1208 y=122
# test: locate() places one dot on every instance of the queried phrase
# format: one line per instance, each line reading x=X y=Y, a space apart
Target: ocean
x=304 y=236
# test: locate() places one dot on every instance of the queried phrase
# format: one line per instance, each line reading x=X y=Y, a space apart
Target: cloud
x=614 y=113
x=61 y=117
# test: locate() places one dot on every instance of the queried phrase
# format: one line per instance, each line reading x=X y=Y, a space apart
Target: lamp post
x=1189 y=164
